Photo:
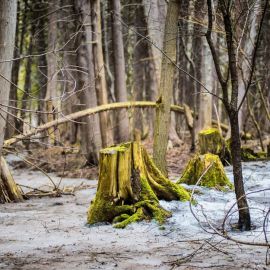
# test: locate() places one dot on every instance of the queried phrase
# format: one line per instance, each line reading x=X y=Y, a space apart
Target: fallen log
x=80 y=114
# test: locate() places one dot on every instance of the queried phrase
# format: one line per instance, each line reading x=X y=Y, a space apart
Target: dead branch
x=86 y=112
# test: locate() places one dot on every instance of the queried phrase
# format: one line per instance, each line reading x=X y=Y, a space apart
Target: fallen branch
x=80 y=114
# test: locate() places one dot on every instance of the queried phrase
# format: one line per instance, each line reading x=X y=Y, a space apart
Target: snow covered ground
x=50 y=233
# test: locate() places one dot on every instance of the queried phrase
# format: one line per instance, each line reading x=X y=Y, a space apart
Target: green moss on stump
x=130 y=187
x=215 y=177
x=211 y=141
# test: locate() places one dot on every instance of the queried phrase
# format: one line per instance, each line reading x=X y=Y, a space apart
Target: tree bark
x=12 y=122
x=8 y=9
x=86 y=92
x=100 y=80
x=162 y=122
x=51 y=103
x=247 y=52
x=139 y=63
x=244 y=221
x=120 y=74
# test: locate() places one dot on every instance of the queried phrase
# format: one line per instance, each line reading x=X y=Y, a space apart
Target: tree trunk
x=244 y=222
x=27 y=81
x=120 y=74
x=100 y=80
x=130 y=187
x=12 y=123
x=90 y=135
x=162 y=122
x=8 y=8
x=51 y=103
x=248 y=48
x=140 y=54
x=207 y=74
x=41 y=47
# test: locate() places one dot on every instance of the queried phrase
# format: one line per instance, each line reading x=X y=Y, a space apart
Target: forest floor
x=51 y=233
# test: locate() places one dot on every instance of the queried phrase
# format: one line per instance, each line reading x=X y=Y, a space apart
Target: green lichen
x=215 y=176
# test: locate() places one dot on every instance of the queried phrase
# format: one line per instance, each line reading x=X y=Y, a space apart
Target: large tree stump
x=9 y=192
x=209 y=168
x=130 y=186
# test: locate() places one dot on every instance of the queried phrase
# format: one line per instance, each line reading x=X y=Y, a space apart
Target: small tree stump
x=214 y=177
x=211 y=141
x=130 y=186
x=9 y=191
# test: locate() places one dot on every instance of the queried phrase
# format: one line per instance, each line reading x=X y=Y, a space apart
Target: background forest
x=72 y=55
x=184 y=78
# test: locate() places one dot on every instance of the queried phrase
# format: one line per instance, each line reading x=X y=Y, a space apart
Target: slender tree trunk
x=120 y=74
x=27 y=81
x=244 y=216
x=248 y=51
x=101 y=86
x=11 y=119
x=162 y=122
x=51 y=93
x=41 y=47
x=8 y=9
x=206 y=75
x=140 y=54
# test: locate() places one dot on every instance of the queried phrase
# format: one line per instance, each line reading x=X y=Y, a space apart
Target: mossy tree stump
x=215 y=176
x=211 y=141
x=9 y=191
x=130 y=186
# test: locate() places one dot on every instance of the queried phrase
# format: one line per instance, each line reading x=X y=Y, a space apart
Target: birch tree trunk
x=120 y=74
x=162 y=121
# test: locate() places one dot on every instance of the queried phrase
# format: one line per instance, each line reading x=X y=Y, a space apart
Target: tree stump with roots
x=130 y=186
x=9 y=191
